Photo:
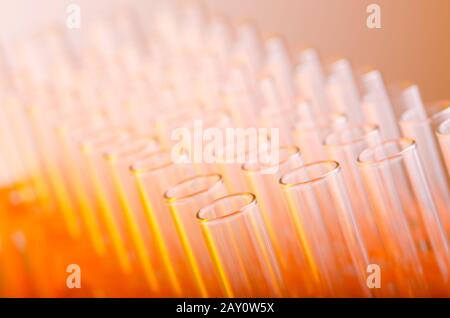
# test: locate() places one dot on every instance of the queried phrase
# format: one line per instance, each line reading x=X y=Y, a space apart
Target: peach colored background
x=413 y=43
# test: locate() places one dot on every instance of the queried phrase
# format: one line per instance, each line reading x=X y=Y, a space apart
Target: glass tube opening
x=443 y=130
x=129 y=148
x=309 y=173
x=98 y=141
x=152 y=162
x=227 y=207
x=193 y=187
x=351 y=135
x=442 y=112
x=388 y=150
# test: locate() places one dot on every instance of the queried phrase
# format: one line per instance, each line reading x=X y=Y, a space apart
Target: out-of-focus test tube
x=40 y=119
x=248 y=50
x=123 y=199
x=310 y=81
x=154 y=174
x=230 y=157
x=68 y=135
x=344 y=146
x=240 y=247
x=326 y=227
x=309 y=133
x=407 y=216
x=184 y=200
x=343 y=91
x=240 y=100
x=98 y=188
x=262 y=178
x=279 y=65
x=377 y=107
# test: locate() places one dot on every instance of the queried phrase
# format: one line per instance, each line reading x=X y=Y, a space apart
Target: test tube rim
x=373 y=129
x=410 y=145
x=117 y=152
x=251 y=203
x=440 y=132
x=173 y=199
x=336 y=168
x=142 y=171
x=89 y=144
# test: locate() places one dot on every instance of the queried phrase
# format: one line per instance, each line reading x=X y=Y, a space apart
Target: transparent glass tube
x=58 y=196
x=344 y=146
x=153 y=175
x=123 y=200
x=443 y=134
x=92 y=148
x=343 y=91
x=233 y=154
x=68 y=135
x=184 y=200
x=310 y=79
x=416 y=125
x=262 y=179
x=377 y=106
x=326 y=226
x=310 y=131
x=240 y=247
x=407 y=216
x=17 y=139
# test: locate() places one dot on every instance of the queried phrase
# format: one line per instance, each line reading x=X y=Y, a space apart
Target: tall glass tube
x=234 y=153
x=415 y=124
x=377 y=106
x=68 y=135
x=326 y=226
x=240 y=247
x=92 y=148
x=184 y=200
x=154 y=174
x=344 y=146
x=310 y=131
x=262 y=179
x=407 y=216
x=59 y=198
x=123 y=200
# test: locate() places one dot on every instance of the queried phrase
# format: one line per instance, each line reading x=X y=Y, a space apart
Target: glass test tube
x=326 y=227
x=124 y=200
x=407 y=216
x=240 y=247
x=92 y=148
x=377 y=106
x=184 y=200
x=310 y=131
x=343 y=91
x=262 y=179
x=344 y=146
x=234 y=153
x=417 y=125
x=40 y=120
x=153 y=175
x=14 y=125
x=68 y=135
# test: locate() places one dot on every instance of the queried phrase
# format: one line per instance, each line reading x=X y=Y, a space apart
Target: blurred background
x=412 y=45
